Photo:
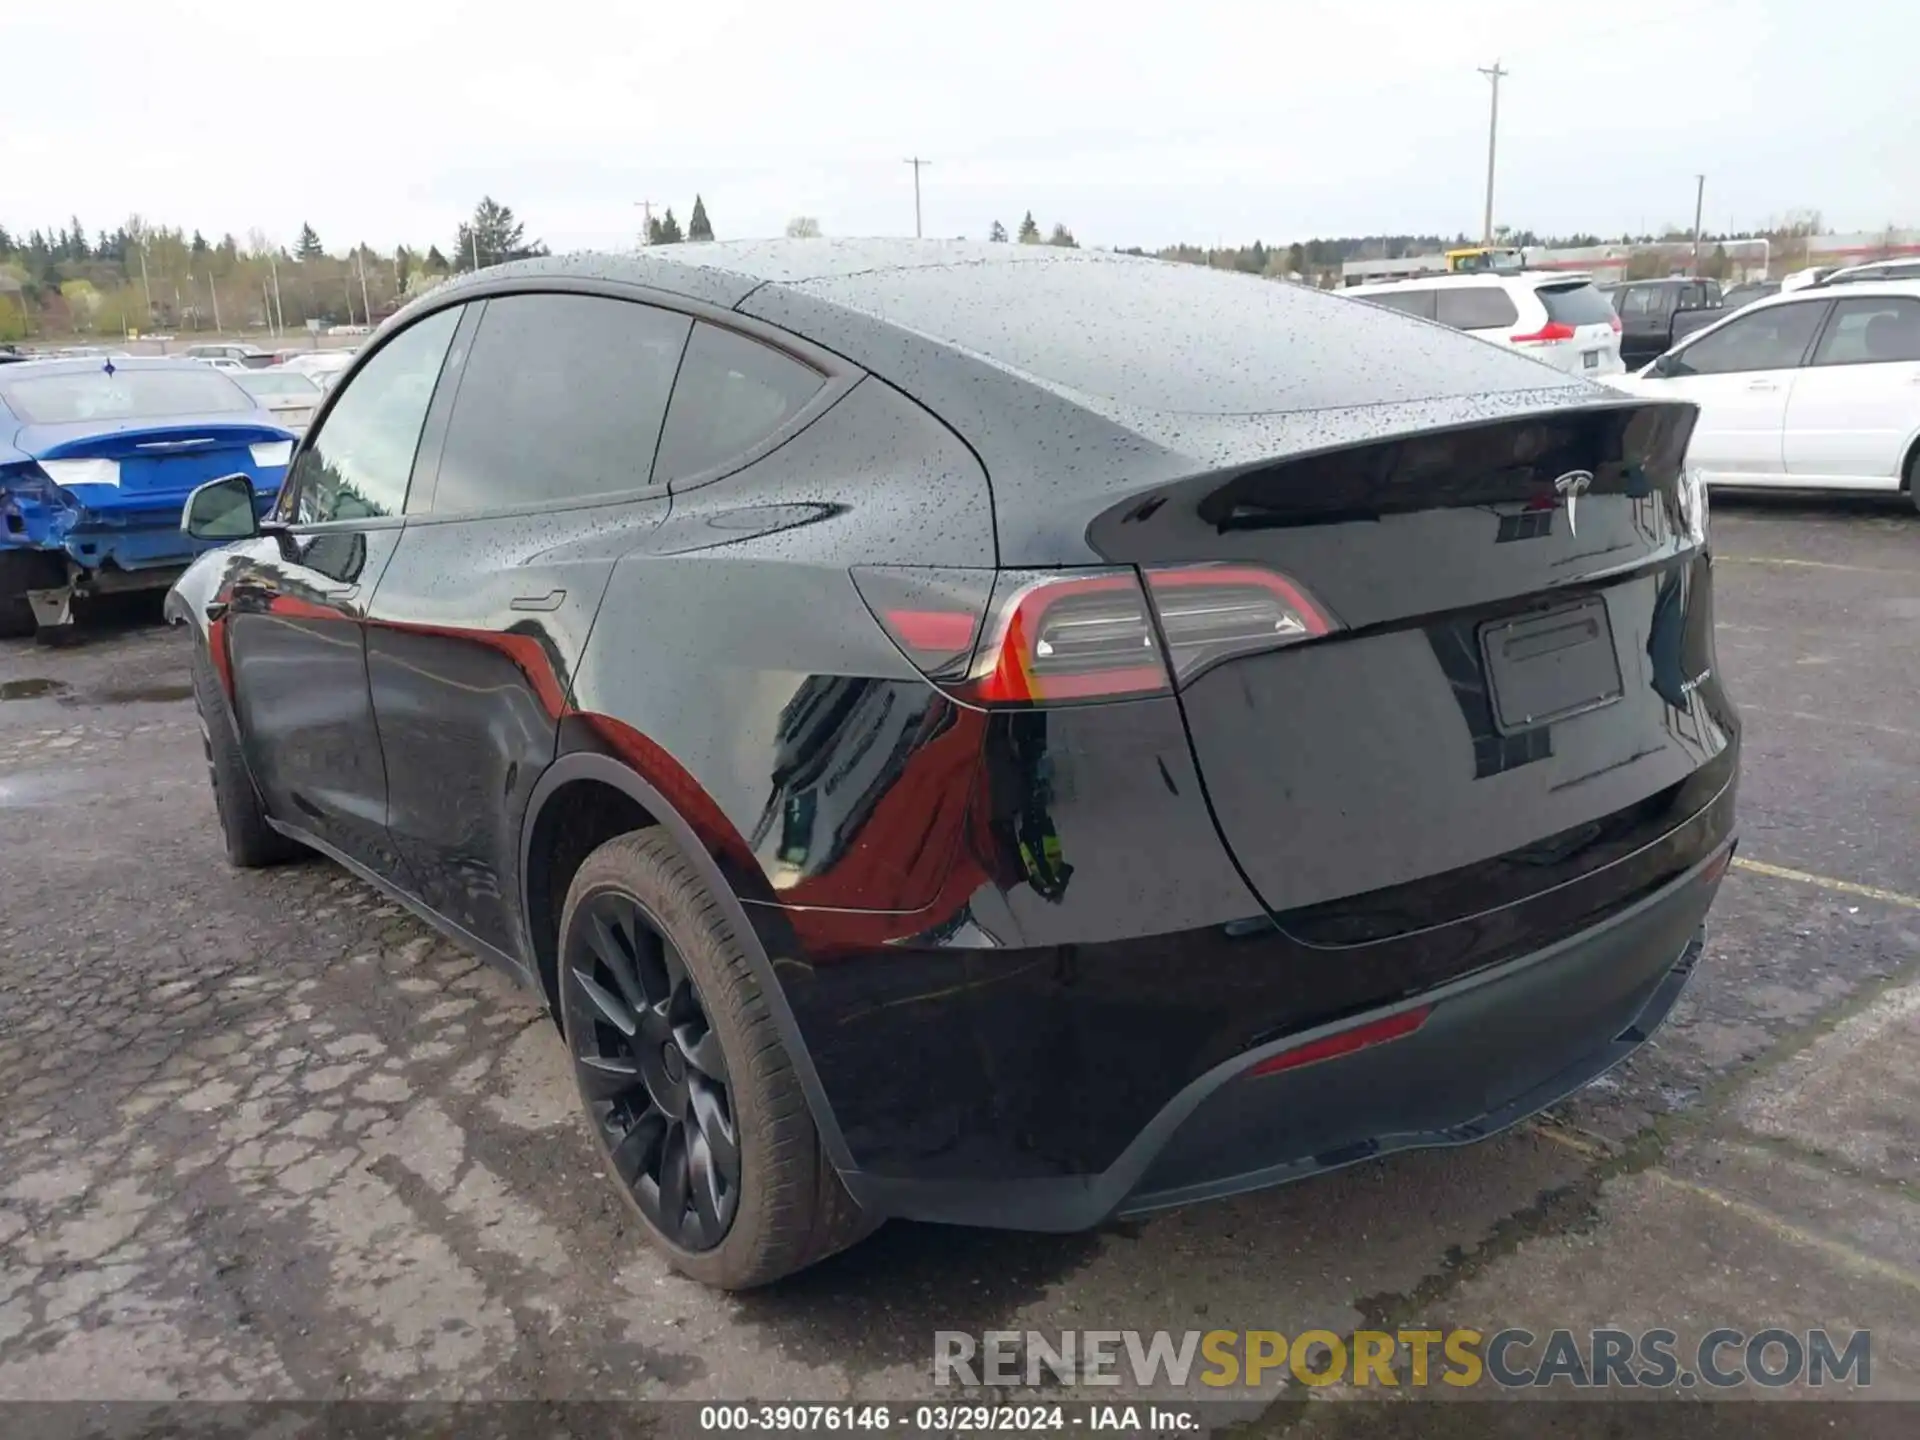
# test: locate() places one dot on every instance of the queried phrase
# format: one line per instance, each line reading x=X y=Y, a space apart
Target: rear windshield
x=1575 y=304
x=275 y=382
x=120 y=395
x=1172 y=338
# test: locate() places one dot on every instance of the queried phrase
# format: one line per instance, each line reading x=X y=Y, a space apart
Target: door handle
x=1762 y=385
x=549 y=601
x=215 y=609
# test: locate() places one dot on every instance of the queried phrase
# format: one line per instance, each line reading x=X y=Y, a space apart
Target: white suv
x=1561 y=319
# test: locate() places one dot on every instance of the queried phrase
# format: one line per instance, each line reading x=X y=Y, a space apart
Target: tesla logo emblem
x=1573 y=485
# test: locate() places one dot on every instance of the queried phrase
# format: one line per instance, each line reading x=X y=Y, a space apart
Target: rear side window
x=1410 y=302
x=732 y=393
x=1474 y=307
x=123 y=394
x=562 y=399
x=1871 y=332
x=1575 y=305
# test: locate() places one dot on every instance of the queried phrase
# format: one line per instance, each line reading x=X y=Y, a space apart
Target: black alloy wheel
x=650 y=1068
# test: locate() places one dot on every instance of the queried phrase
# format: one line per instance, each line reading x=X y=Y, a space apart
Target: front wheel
x=251 y=842
x=687 y=1087
x=1913 y=478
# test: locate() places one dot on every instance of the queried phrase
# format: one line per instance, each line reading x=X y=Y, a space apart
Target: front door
x=1740 y=375
x=296 y=604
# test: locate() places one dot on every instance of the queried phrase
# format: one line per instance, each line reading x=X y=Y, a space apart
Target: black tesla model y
x=986 y=733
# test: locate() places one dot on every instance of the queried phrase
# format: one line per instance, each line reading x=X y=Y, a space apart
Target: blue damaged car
x=97 y=457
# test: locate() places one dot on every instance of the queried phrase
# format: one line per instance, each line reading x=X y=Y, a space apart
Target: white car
x=289 y=395
x=323 y=367
x=1556 y=317
x=1812 y=389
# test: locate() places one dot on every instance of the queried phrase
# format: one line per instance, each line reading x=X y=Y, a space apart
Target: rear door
x=292 y=620
x=1856 y=405
x=1583 y=328
x=1740 y=375
x=545 y=442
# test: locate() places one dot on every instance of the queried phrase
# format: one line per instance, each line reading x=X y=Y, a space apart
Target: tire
x=16 y=619
x=1913 y=478
x=787 y=1206
x=251 y=842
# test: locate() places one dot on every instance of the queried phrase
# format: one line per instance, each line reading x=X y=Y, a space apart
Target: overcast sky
x=385 y=120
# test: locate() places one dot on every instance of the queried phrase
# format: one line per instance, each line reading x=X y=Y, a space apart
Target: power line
x=916 y=162
x=1496 y=75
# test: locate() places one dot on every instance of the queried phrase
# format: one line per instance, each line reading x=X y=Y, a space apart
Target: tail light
x=1614 y=321
x=1343 y=1042
x=1552 y=330
x=1025 y=637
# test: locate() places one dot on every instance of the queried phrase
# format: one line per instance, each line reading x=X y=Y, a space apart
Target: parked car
x=291 y=397
x=1817 y=388
x=323 y=367
x=1656 y=314
x=1559 y=318
x=1877 y=270
x=218 y=362
x=96 y=460
x=1197 y=736
x=1800 y=279
x=250 y=357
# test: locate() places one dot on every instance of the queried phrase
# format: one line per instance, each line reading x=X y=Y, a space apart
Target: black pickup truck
x=1655 y=315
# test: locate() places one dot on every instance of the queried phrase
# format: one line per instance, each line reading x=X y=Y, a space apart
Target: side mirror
x=221 y=511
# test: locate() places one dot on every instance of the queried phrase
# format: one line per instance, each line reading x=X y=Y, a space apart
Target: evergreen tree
x=77 y=247
x=697 y=226
x=998 y=234
x=495 y=234
x=669 y=230
x=1062 y=237
x=435 y=263
x=200 y=246
x=308 y=246
x=1029 y=231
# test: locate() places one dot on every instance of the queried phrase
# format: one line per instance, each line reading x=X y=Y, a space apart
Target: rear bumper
x=133 y=545
x=1495 y=1047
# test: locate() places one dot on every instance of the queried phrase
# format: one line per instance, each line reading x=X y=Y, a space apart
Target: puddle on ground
x=31 y=689
x=139 y=694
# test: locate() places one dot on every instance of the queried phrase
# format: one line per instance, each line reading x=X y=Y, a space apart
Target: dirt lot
x=265 y=1136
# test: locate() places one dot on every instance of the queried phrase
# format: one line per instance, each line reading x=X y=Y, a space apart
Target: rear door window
x=732 y=393
x=1575 y=304
x=1775 y=338
x=1474 y=307
x=561 y=399
x=1871 y=332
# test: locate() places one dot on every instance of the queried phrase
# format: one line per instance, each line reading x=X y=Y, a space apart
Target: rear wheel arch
x=550 y=855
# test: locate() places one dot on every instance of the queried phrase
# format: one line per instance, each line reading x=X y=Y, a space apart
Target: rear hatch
x=1502 y=676
x=1582 y=332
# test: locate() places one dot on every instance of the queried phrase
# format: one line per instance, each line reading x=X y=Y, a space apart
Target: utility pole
x=1496 y=75
x=145 y=288
x=1699 y=198
x=646 y=221
x=279 y=310
x=473 y=234
x=366 y=305
x=916 y=162
x=214 y=291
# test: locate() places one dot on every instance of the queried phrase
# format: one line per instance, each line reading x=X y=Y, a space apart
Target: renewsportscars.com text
x=1512 y=1358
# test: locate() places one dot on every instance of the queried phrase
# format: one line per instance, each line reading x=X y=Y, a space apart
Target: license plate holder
x=1590 y=359
x=1550 y=666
